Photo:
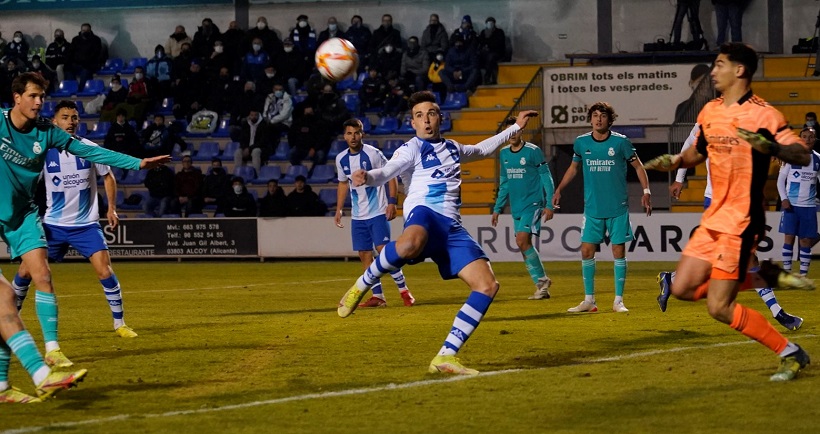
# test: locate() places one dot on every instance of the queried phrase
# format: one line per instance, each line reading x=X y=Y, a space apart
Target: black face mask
x=218 y=171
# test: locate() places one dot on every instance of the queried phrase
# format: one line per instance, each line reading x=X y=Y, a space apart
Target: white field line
x=364 y=390
x=148 y=291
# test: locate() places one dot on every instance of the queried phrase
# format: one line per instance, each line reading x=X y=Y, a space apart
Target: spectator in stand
x=233 y=40
x=254 y=142
x=332 y=31
x=360 y=36
x=14 y=67
x=303 y=202
x=237 y=202
x=182 y=63
x=414 y=65
x=57 y=54
x=272 y=77
x=274 y=203
x=384 y=35
x=160 y=184
x=811 y=120
x=191 y=92
x=397 y=95
x=122 y=138
x=293 y=66
x=38 y=67
x=270 y=40
x=241 y=105
x=278 y=113
x=304 y=38
x=204 y=39
x=372 y=92
x=434 y=38
x=254 y=62
x=332 y=112
x=87 y=55
x=188 y=188
x=159 y=72
x=466 y=33
x=305 y=136
x=434 y=74
x=387 y=60
x=139 y=96
x=159 y=139
x=216 y=184
x=173 y=47
x=216 y=61
x=492 y=48
x=17 y=48
x=117 y=94
x=461 y=73
x=223 y=91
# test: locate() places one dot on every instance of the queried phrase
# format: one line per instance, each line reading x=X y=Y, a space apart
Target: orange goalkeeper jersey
x=737 y=172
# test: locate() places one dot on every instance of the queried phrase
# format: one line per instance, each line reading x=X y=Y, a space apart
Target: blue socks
x=111 y=287
x=466 y=321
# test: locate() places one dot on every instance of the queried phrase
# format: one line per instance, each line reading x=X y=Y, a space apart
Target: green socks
x=534 y=265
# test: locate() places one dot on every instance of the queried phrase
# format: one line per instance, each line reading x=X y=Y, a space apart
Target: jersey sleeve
x=486 y=147
x=628 y=150
x=340 y=174
x=576 y=152
x=779 y=127
x=95 y=154
x=403 y=159
x=680 y=176
x=781 y=181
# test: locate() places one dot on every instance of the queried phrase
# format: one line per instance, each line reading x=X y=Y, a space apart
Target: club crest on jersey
x=523 y=161
x=611 y=152
x=82 y=163
x=37 y=148
x=55 y=180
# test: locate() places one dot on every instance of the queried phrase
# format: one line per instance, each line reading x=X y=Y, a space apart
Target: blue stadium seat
x=390 y=147
x=267 y=173
x=66 y=89
x=133 y=63
x=455 y=101
x=386 y=125
x=82 y=113
x=92 y=87
x=336 y=148
x=47 y=109
x=82 y=129
x=351 y=102
x=346 y=84
x=438 y=97
x=138 y=205
x=359 y=80
x=118 y=173
x=166 y=108
x=328 y=196
x=224 y=128
x=446 y=122
x=197 y=216
x=366 y=123
x=246 y=172
x=230 y=149
x=99 y=130
x=322 y=174
x=293 y=172
x=371 y=142
x=112 y=66
x=207 y=151
x=134 y=177
x=281 y=153
x=298 y=98
x=405 y=127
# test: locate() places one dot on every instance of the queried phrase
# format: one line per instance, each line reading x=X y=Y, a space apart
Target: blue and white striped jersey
x=367 y=201
x=71 y=188
x=798 y=184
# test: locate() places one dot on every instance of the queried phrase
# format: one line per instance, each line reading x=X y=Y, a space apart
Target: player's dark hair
x=510 y=120
x=603 y=107
x=420 y=97
x=353 y=122
x=65 y=104
x=20 y=82
x=743 y=54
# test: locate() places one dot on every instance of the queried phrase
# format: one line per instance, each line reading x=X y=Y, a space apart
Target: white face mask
x=138 y=76
x=257 y=47
x=303 y=24
x=18 y=39
x=261 y=25
x=388 y=49
x=288 y=49
x=439 y=57
x=237 y=189
x=270 y=74
x=332 y=27
x=35 y=64
x=490 y=25
x=219 y=48
x=279 y=94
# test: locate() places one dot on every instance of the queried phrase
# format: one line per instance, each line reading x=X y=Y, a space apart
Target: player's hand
x=664 y=163
x=675 y=189
x=359 y=178
x=337 y=218
x=390 y=212
x=524 y=117
x=113 y=218
x=548 y=214
x=150 y=163
x=556 y=198
x=786 y=204
x=494 y=219
x=762 y=140
x=646 y=202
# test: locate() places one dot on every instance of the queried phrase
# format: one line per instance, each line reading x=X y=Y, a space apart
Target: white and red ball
x=336 y=59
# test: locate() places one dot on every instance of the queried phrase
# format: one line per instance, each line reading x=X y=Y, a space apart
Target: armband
x=392 y=201
x=646 y=191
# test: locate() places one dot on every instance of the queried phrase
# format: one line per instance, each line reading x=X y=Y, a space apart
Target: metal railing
x=532 y=98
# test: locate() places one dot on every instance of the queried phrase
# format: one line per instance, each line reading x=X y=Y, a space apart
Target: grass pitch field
x=247 y=347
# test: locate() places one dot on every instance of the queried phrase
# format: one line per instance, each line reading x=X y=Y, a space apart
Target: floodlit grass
x=246 y=347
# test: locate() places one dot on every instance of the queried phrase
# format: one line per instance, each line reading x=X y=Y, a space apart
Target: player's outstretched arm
x=764 y=142
x=486 y=147
x=152 y=162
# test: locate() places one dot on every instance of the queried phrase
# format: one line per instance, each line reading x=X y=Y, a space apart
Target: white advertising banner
x=640 y=94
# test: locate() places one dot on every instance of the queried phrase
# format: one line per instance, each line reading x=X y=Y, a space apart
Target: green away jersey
x=604 y=165
x=525 y=178
x=22 y=155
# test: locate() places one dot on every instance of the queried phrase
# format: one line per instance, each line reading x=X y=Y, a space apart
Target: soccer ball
x=336 y=58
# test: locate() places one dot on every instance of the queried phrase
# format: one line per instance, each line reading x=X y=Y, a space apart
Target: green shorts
x=618 y=228
x=528 y=221
x=29 y=235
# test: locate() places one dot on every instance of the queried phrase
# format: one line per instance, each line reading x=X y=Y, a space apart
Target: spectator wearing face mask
x=121 y=137
x=384 y=35
x=253 y=65
x=465 y=32
x=233 y=38
x=57 y=54
x=294 y=66
x=434 y=74
x=216 y=61
x=811 y=120
x=414 y=65
x=492 y=48
x=372 y=92
x=461 y=73
x=216 y=184
x=304 y=37
x=272 y=77
x=237 y=202
x=173 y=47
x=117 y=94
x=332 y=31
x=387 y=60
x=360 y=36
x=182 y=62
x=270 y=40
x=139 y=96
x=434 y=38
x=204 y=39
x=278 y=113
x=158 y=71
x=87 y=55
x=38 y=67
x=17 y=48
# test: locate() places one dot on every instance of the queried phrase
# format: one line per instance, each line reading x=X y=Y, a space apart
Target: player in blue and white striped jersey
x=430 y=168
x=797 y=186
x=72 y=220
x=371 y=207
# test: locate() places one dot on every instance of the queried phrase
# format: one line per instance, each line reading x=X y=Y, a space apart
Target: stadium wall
x=539 y=30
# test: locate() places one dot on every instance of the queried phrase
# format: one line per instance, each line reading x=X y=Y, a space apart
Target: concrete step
x=478 y=192
x=496 y=96
x=788 y=66
x=795 y=89
x=795 y=111
x=486 y=170
x=517 y=73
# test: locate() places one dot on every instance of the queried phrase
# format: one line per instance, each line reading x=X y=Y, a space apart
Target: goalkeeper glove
x=762 y=141
x=664 y=163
